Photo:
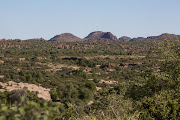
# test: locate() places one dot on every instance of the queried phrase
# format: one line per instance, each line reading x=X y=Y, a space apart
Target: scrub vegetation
x=90 y=80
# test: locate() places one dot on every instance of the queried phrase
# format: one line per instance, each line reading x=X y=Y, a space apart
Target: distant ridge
x=65 y=37
x=104 y=36
x=124 y=38
x=159 y=38
x=37 y=39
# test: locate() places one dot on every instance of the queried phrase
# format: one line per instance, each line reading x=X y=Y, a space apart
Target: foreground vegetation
x=92 y=80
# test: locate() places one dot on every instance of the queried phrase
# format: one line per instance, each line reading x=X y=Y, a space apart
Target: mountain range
x=108 y=36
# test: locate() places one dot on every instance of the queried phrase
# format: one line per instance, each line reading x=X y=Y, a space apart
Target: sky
x=26 y=19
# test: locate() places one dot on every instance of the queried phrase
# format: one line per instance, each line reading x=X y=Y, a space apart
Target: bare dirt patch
x=2 y=76
x=56 y=67
x=98 y=88
x=42 y=92
x=108 y=82
x=59 y=66
x=90 y=102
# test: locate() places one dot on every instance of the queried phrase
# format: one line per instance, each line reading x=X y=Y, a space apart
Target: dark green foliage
x=160 y=108
x=54 y=95
x=1 y=87
x=90 y=85
x=16 y=95
x=95 y=80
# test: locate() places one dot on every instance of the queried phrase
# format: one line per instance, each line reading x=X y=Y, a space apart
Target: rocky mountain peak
x=95 y=35
x=110 y=36
x=101 y=35
x=65 y=37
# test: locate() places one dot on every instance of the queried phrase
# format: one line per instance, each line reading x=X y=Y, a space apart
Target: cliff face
x=65 y=37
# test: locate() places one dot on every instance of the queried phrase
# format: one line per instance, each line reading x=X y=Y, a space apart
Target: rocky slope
x=65 y=37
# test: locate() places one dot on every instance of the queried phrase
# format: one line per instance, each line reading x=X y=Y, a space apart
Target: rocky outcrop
x=65 y=37
x=110 y=36
x=124 y=38
x=99 y=35
x=95 y=35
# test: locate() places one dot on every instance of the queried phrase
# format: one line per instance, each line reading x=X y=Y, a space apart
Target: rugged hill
x=124 y=38
x=101 y=35
x=95 y=35
x=110 y=36
x=65 y=37
x=163 y=37
x=159 y=38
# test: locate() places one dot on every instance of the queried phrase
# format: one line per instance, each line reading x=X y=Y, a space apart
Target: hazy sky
x=26 y=19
